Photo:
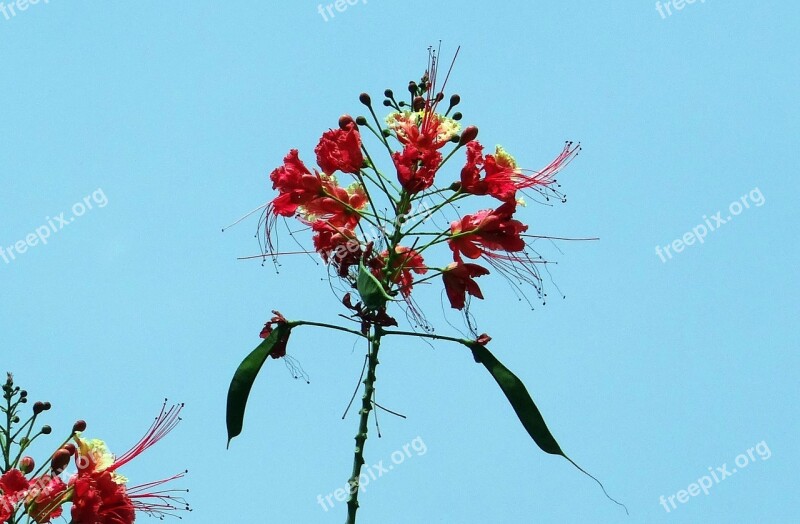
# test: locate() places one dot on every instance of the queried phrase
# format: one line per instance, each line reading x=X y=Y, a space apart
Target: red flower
x=13 y=483
x=296 y=184
x=339 y=246
x=340 y=149
x=99 y=494
x=338 y=206
x=502 y=177
x=42 y=496
x=314 y=195
x=416 y=167
x=13 y=486
x=425 y=130
x=45 y=498
x=458 y=281
x=403 y=263
x=99 y=499
x=279 y=350
x=491 y=230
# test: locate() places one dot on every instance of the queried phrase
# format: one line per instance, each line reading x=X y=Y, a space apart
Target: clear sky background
x=648 y=372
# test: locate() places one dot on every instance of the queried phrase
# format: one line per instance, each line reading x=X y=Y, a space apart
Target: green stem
x=329 y=326
x=7 y=430
x=361 y=436
x=426 y=335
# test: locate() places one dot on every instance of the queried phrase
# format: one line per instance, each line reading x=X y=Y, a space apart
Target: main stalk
x=366 y=408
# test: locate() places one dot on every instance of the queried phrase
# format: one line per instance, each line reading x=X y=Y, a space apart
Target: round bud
x=26 y=464
x=47 y=406
x=412 y=87
x=419 y=103
x=457 y=116
x=388 y=93
x=60 y=460
x=23 y=394
x=455 y=100
x=365 y=99
x=70 y=448
x=360 y=120
x=79 y=426
x=46 y=430
x=469 y=134
x=344 y=121
x=38 y=407
x=440 y=96
x=387 y=103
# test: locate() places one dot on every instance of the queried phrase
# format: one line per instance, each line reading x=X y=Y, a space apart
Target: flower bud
x=419 y=103
x=60 y=460
x=388 y=93
x=469 y=134
x=345 y=120
x=457 y=116
x=26 y=464
x=79 y=426
x=46 y=430
x=455 y=100
x=412 y=87
x=360 y=120
x=38 y=407
x=439 y=96
x=70 y=448
x=47 y=406
x=365 y=99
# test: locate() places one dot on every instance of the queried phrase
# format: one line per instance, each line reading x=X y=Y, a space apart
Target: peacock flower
x=502 y=177
x=485 y=232
x=425 y=130
x=100 y=495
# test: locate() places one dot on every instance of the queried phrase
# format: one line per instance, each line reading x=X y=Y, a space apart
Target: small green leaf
x=245 y=376
x=370 y=289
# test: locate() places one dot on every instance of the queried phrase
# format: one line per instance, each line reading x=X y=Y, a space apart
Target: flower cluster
x=368 y=225
x=96 y=492
x=391 y=229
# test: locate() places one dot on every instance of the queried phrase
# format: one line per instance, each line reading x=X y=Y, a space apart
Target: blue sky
x=649 y=372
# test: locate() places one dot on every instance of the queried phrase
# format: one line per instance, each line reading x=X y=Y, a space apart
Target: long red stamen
x=547 y=175
x=159 y=503
x=163 y=424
